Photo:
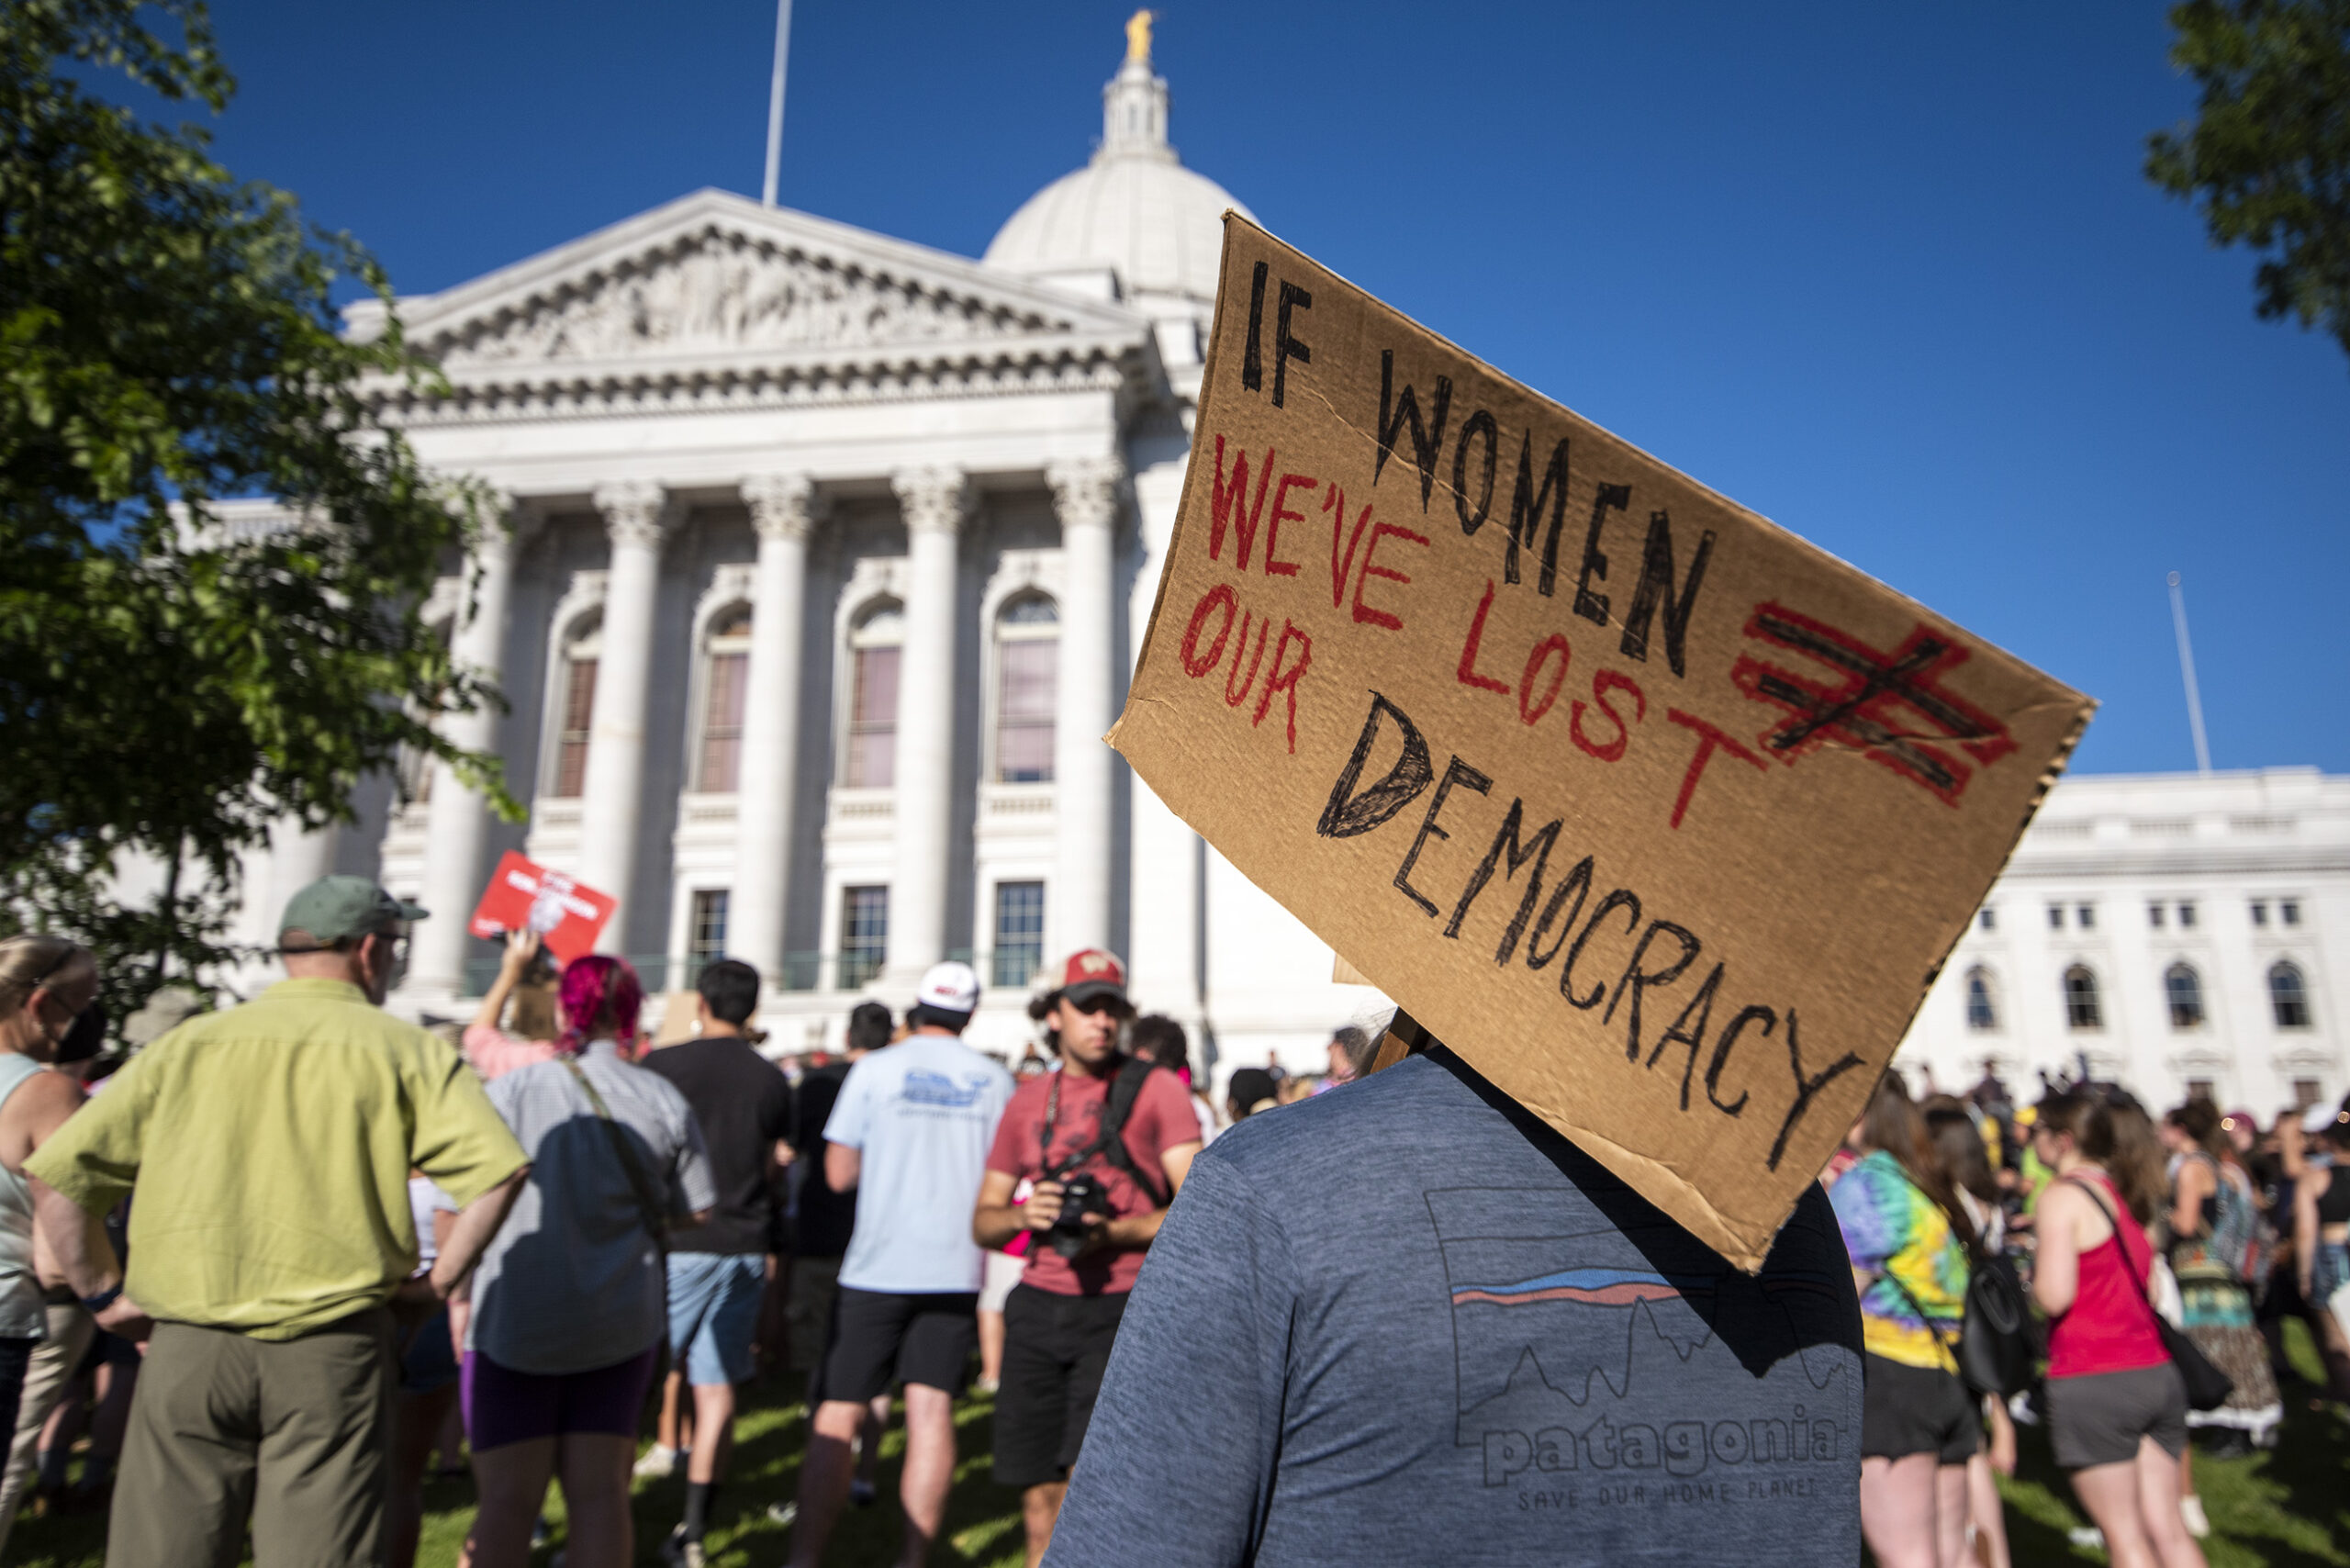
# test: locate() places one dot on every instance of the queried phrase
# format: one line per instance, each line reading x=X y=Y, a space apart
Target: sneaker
x=861 y=1492
x=2190 y=1508
x=658 y=1464
x=784 y=1514
x=2087 y=1536
x=679 y=1552
x=987 y=1384
x=2021 y=1410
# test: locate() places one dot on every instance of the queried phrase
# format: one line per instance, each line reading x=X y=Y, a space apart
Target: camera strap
x=1126 y=1087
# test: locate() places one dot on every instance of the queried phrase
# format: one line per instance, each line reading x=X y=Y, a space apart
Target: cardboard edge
x=1916 y=606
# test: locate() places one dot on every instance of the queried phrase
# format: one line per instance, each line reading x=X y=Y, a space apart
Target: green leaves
x=2268 y=159
x=168 y=341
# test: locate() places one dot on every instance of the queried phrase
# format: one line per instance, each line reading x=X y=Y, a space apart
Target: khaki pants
x=70 y=1330
x=292 y=1433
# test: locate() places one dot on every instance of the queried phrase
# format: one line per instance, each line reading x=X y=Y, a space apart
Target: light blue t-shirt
x=922 y=1115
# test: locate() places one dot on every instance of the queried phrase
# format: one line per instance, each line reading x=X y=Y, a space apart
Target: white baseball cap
x=950 y=987
x=2315 y=1120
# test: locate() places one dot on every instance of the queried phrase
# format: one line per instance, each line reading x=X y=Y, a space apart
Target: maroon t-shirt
x=1162 y=1119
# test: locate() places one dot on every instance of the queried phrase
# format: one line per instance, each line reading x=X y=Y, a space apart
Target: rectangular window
x=2055 y=917
x=2186 y=915
x=1019 y=931
x=1987 y=920
x=578 y=712
x=706 y=944
x=2260 y=911
x=721 y=723
x=2199 y=1089
x=1027 y=681
x=864 y=931
x=873 y=721
x=2289 y=911
x=2306 y=1093
x=2154 y=916
x=2085 y=916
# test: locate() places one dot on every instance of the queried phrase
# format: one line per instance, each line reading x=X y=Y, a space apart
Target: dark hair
x=731 y=989
x=2112 y=1129
x=1248 y=1086
x=1959 y=1146
x=1894 y=1124
x=1361 y=1049
x=869 y=1026
x=922 y=1014
x=2200 y=1119
x=86 y=1036
x=1157 y=1037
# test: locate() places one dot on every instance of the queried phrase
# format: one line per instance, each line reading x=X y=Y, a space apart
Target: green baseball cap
x=334 y=908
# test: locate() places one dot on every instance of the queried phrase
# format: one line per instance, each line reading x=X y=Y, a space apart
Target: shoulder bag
x=2207 y=1386
x=655 y=1211
x=1992 y=1347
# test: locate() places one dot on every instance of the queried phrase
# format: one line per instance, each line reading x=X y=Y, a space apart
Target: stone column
x=784 y=510
x=935 y=502
x=457 y=821
x=297 y=857
x=637 y=515
x=1085 y=494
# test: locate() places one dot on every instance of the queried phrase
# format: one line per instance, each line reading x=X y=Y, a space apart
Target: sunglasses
x=1096 y=1006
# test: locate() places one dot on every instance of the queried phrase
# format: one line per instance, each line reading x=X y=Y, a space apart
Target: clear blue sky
x=1888 y=274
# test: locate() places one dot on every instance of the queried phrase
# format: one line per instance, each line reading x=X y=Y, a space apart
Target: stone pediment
x=714 y=276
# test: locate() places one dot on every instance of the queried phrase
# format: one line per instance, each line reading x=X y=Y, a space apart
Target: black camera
x=1081 y=1195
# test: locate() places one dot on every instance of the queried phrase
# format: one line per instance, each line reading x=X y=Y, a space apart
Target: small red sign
x=523 y=895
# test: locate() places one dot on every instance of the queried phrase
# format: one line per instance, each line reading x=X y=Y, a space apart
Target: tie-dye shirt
x=1891 y=1227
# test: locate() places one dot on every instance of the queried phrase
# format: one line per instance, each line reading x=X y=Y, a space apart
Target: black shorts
x=879 y=1339
x=1055 y=1349
x=1907 y=1410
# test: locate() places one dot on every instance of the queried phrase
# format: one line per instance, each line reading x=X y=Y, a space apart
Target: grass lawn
x=2288 y=1509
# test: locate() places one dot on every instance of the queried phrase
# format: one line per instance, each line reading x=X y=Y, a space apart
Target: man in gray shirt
x=1406 y=1322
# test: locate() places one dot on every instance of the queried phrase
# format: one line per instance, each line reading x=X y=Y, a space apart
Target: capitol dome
x=1135 y=209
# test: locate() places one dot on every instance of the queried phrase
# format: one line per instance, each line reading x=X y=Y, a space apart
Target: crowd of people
x=2130 y=1232
x=356 y=1247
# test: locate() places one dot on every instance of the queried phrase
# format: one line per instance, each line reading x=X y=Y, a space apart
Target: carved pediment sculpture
x=719 y=290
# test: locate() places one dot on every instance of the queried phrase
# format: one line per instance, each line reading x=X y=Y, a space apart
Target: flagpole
x=2185 y=670
x=775 y=101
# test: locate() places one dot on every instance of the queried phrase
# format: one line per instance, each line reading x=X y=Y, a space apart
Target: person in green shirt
x=267 y=1150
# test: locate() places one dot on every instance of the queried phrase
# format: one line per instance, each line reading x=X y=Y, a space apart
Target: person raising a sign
x=1107 y=1141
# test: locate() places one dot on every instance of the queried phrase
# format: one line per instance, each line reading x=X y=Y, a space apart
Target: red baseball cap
x=1091 y=973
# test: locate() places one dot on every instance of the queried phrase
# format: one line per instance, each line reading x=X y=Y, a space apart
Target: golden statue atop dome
x=1138 y=36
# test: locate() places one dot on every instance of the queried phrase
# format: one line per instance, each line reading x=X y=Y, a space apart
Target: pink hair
x=595 y=988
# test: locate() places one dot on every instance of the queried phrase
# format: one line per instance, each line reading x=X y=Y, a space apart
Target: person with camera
x=1107 y=1141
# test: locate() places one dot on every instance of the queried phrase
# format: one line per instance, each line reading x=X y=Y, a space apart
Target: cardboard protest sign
x=1661 y=817
x=523 y=895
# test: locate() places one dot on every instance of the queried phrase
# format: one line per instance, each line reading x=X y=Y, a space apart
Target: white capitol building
x=830 y=555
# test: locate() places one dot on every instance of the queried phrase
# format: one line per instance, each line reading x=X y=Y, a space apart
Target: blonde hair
x=29 y=960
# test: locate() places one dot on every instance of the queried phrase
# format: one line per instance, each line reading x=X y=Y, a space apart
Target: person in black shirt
x=718 y=1270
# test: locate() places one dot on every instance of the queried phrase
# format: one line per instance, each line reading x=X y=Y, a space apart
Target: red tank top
x=2110 y=1327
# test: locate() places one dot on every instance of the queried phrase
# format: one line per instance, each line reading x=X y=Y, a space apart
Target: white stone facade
x=2215 y=950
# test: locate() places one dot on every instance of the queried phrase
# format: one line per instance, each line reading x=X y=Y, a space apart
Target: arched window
x=2081 y=1008
x=1027 y=649
x=580 y=655
x=728 y=649
x=1982 y=1000
x=871 y=759
x=2184 y=988
x=2288 y=997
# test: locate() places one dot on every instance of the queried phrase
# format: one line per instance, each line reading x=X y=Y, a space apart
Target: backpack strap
x=1109 y=1143
x=639 y=1181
